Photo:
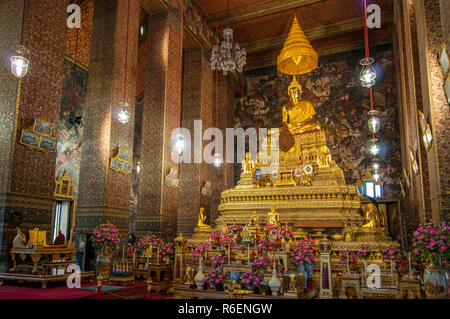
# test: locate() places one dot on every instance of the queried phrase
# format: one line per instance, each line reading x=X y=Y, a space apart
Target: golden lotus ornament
x=297 y=55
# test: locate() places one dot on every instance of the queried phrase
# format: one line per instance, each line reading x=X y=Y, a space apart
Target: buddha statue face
x=295 y=94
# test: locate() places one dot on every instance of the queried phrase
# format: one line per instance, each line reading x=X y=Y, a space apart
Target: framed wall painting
x=30 y=139
x=127 y=168
x=47 y=144
x=116 y=165
x=124 y=154
x=43 y=127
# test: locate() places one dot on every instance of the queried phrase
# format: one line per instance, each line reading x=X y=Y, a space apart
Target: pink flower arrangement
x=218 y=260
x=364 y=251
x=264 y=244
x=105 y=236
x=352 y=259
x=214 y=277
x=234 y=229
x=215 y=237
x=431 y=242
x=272 y=230
x=131 y=250
x=167 y=250
x=149 y=241
x=261 y=260
x=250 y=278
x=287 y=234
x=200 y=250
x=392 y=253
x=303 y=252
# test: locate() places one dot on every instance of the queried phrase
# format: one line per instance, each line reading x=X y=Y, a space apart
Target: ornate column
x=27 y=176
x=223 y=175
x=197 y=105
x=157 y=202
x=431 y=33
x=104 y=194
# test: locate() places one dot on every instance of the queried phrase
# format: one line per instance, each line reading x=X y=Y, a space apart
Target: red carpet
x=57 y=291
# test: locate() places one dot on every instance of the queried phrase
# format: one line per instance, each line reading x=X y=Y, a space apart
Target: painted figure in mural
x=247 y=166
x=273 y=216
x=201 y=218
x=298 y=114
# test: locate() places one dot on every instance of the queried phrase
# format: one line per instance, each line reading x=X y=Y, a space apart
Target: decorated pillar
x=224 y=174
x=158 y=201
x=105 y=173
x=27 y=171
x=432 y=33
x=195 y=178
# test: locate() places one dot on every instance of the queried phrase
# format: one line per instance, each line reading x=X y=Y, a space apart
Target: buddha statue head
x=295 y=91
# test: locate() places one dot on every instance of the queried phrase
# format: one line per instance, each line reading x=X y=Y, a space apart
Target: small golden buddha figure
x=254 y=220
x=248 y=166
x=372 y=217
x=273 y=216
x=298 y=114
x=324 y=157
x=201 y=218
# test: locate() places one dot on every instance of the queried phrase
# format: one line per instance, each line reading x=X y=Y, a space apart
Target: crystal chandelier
x=231 y=57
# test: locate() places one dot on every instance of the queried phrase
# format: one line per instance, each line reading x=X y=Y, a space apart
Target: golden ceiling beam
x=313 y=34
x=258 y=10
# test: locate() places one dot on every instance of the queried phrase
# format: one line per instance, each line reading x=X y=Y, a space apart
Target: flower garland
x=250 y=278
x=264 y=244
x=106 y=236
x=272 y=230
x=234 y=229
x=287 y=234
x=431 y=242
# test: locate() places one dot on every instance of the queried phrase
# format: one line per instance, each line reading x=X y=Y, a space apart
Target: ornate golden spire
x=297 y=55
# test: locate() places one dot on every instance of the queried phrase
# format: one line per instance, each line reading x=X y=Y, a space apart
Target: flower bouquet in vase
x=214 y=278
x=106 y=239
x=251 y=280
x=431 y=246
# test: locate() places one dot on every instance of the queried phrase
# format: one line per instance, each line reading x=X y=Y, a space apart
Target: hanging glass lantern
x=374 y=149
x=368 y=74
x=375 y=165
x=217 y=160
x=123 y=116
x=374 y=121
x=20 y=63
x=179 y=144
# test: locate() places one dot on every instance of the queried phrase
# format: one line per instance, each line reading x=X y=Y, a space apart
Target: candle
x=157 y=256
x=37 y=236
x=229 y=251
x=248 y=254
x=409 y=258
x=348 y=268
x=123 y=252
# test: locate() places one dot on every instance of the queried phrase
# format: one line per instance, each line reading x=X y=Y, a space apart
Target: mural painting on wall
x=341 y=105
x=70 y=126
x=194 y=19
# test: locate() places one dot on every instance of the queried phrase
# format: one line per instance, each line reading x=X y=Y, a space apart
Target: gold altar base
x=374 y=235
x=326 y=207
x=200 y=234
x=246 y=182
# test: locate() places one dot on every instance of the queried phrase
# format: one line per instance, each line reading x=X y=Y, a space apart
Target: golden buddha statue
x=201 y=218
x=298 y=114
x=254 y=220
x=372 y=217
x=247 y=166
x=273 y=216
